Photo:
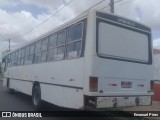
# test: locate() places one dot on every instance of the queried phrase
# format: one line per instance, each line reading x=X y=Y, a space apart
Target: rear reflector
x=140 y=85
x=112 y=84
x=93 y=84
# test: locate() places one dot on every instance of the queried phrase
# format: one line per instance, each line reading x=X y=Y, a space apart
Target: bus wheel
x=36 y=97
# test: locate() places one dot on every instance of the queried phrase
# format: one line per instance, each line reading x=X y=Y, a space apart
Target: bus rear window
x=120 y=43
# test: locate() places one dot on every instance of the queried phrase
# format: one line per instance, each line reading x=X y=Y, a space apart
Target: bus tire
x=36 y=97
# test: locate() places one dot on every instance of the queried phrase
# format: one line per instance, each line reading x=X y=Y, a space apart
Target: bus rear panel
x=120 y=68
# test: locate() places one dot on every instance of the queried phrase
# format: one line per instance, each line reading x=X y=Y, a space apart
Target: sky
x=17 y=17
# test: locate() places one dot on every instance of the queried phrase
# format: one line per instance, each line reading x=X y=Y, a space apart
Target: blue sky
x=34 y=9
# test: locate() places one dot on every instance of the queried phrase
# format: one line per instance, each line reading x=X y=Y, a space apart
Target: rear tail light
x=93 y=84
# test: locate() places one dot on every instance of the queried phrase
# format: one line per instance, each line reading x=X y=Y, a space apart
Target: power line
x=19 y=44
x=118 y=1
x=3 y=40
x=59 y=11
x=6 y=40
x=41 y=23
x=3 y=37
x=87 y=9
x=5 y=48
x=124 y=3
x=104 y=7
x=77 y=16
x=44 y=20
x=109 y=5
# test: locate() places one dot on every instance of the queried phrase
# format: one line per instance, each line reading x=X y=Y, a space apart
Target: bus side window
x=52 y=50
x=74 y=41
x=44 y=50
x=51 y=53
x=38 y=47
x=37 y=57
x=60 y=46
x=31 y=53
x=14 y=58
x=26 y=55
x=19 y=57
x=11 y=59
x=22 y=56
x=44 y=56
x=44 y=44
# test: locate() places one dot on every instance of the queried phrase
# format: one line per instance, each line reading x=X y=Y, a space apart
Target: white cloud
x=8 y=3
x=145 y=11
x=13 y=24
x=156 y=43
x=17 y=23
x=50 y=5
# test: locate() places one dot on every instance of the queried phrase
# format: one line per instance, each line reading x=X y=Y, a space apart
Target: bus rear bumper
x=117 y=102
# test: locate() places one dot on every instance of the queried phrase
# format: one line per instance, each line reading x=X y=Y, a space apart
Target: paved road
x=22 y=102
x=14 y=102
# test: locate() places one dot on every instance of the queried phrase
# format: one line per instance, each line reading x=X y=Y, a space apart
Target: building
x=156 y=84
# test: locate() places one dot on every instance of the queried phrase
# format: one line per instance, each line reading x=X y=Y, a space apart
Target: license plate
x=126 y=84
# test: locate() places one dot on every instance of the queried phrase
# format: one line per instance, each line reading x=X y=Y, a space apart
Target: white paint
x=105 y=102
x=77 y=72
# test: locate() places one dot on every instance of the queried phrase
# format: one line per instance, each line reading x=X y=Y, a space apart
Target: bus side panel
x=21 y=86
x=39 y=72
x=73 y=76
x=4 y=82
x=6 y=75
x=52 y=94
x=90 y=50
x=20 y=79
x=64 y=83
x=73 y=98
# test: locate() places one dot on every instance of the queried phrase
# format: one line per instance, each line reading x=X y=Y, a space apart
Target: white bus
x=96 y=60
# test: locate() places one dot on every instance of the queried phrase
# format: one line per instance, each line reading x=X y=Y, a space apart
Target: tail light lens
x=93 y=84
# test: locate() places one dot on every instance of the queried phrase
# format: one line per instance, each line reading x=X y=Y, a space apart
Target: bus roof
x=72 y=21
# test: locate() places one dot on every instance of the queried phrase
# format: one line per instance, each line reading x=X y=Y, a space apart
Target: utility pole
x=9 y=44
x=112 y=6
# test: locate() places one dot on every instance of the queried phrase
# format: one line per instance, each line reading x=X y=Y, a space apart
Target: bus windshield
x=121 y=43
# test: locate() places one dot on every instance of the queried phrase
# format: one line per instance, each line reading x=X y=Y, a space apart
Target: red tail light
x=93 y=84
